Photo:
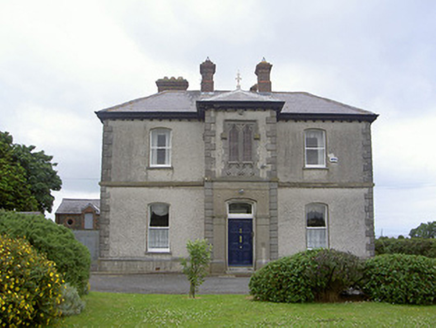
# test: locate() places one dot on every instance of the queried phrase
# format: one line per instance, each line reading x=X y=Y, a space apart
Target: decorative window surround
x=240 y=140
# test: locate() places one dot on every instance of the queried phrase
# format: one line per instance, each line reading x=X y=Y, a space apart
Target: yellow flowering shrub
x=30 y=286
x=57 y=242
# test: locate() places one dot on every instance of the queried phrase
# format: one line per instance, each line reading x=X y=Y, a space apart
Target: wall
x=346 y=140
x=197 y=189
x=346 y=219
x=89 y=238
x=129 y=217
x=130 y=157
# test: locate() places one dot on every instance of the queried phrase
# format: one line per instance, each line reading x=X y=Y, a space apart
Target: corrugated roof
x=76 y=206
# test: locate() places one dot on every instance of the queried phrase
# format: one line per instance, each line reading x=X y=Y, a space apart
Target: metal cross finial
x=238 y=80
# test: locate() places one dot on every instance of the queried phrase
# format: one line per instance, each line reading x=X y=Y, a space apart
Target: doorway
x=240 y=235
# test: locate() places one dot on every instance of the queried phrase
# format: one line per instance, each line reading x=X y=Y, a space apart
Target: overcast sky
x=60 y=61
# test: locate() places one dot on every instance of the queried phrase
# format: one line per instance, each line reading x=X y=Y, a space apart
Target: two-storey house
x=260 y=174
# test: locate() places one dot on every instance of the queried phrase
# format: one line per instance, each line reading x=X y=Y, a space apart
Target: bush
x=413 y=246
x=30 y=286
x=57 y=242
x=313 y=275
x=400 y=279
x=196 y=266
x=72 y=303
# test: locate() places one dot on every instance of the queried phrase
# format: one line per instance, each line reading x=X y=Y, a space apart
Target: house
x=78 y=214
x=82 y=216
x=260 y=174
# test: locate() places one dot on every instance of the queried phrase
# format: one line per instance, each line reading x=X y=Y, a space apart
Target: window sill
x=315 y=168
x=160 y=168
x=157 y=252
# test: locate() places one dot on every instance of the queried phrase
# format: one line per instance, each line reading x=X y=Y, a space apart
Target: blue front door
x=240 y=242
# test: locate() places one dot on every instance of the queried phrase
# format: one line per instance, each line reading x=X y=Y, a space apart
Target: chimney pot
x=207 y=70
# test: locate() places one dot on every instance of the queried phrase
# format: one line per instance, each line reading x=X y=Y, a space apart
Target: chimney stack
x=263 y=70
x=172 y=84
x=207 y=70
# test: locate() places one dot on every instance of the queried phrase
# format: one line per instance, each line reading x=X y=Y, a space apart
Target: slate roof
x=76 y=206
x=185 y=104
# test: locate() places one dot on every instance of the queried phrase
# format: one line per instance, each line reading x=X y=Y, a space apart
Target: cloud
x=404 y=151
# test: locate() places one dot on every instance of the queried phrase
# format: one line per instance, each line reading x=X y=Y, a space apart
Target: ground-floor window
x=316 y=226
x=158 y=228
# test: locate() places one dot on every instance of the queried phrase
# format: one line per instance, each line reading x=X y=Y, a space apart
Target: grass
x=139 y=310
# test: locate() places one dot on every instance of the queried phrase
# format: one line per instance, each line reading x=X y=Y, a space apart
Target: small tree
x=195 y=267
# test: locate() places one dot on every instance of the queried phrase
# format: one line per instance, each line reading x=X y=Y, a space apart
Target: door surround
x=241 y=209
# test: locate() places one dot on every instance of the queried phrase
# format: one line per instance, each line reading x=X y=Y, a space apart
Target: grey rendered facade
x=260 y=174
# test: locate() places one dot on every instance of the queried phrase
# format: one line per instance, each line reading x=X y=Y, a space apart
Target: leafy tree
x=196 y=266
x=424 y=230
x=26 y=177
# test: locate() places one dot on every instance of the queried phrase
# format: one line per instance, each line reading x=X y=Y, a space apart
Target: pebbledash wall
x=201 y=182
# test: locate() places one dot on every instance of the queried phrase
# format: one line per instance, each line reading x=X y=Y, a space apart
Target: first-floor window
x=315 y=148
x=158 y=228
x=160 y=148
x=241 y=141
x=316 y=226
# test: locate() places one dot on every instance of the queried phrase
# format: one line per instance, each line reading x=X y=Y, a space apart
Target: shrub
x=313 y=275
x=332 y=272
x=57 y=242
x=282 y=280
x=30 y=286
x=413 y=246
x=400 y=279
x=72 y=303
x=196 y=266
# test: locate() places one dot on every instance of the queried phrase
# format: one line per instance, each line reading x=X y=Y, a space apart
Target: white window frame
x=320 y=148
x=312 y=229
x=154 y=148
x=231 y=215
x=158 y=228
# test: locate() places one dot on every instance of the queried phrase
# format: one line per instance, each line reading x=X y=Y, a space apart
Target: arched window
x=234 y=144
x=158 y=228
x=240 y=139
x=315 y=148
x=160 y=148
x=316 y=226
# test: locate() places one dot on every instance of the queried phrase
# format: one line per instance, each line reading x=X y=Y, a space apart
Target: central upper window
x=240 y=148
x=160 y=148
x=241 y=142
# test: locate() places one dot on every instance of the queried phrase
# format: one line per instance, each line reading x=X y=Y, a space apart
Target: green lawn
x=138 y=310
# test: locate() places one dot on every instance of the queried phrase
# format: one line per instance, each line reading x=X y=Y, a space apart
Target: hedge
x=412 y=246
